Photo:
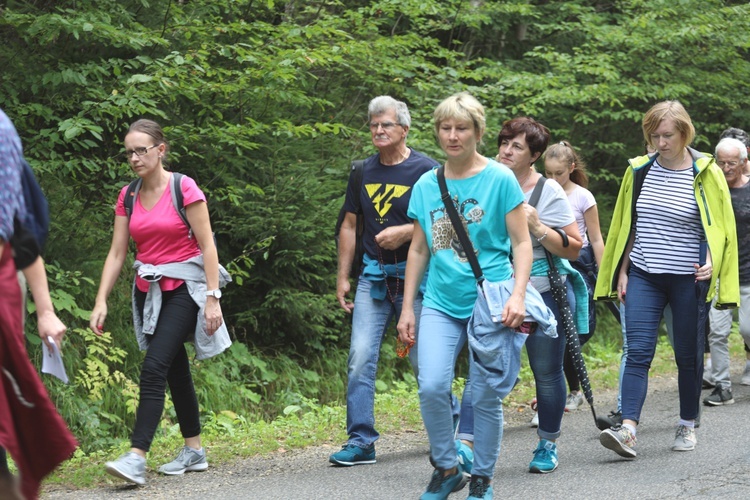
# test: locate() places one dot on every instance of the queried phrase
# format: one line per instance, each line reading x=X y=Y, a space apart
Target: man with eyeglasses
x=740 y=135
x=383 y=197
x=731 y=156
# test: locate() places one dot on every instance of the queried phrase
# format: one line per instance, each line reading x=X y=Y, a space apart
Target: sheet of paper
x=52 y=362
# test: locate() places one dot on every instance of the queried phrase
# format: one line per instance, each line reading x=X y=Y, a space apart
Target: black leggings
x=569 y=368
x=166 y=362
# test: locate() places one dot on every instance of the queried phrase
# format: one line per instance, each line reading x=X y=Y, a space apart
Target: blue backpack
x=37 y=209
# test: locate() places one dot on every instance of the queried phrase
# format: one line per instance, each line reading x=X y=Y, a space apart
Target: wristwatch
x=214 y=293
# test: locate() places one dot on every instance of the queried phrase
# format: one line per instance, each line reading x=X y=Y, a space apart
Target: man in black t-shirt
x=384 y=197
x=731 y=156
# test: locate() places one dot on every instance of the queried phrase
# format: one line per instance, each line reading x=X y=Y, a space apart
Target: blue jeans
x=370 y=320
x=648 y=295
x=442 y=337
x=623 y=358
x=546 y=360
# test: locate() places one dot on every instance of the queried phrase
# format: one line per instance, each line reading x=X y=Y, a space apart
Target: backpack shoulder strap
x=177 y=197
x=130 y=196
x=358 y=171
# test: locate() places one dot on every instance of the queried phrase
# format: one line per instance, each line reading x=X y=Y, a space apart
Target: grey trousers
x=718 y=337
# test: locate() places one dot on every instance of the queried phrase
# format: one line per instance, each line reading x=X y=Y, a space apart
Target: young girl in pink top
x=562 y=163
x=163 y=239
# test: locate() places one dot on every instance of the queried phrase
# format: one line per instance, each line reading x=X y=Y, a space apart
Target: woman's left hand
x=703 y=273
x=532 y=217
x=514 y=312
x=213 y=315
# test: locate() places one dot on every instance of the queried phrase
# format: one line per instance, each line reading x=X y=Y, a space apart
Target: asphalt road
x=719 y=467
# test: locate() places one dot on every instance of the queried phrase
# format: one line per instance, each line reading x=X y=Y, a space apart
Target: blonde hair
x=564 y=152
x=462 y=106
x=668 y=109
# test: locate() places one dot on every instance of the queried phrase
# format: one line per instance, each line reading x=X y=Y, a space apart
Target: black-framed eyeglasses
x=128 y=153
x=385 y=125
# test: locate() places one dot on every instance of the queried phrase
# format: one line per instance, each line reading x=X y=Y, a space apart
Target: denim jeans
x=546 y=360
x=442 y=337
x=370 y=320
x=624 y=356
x=167 y=361
x=648 y=294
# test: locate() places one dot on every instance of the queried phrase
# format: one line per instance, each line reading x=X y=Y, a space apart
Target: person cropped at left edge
x=175 y=299
x=30 y=428
x=672 y=236
x=384 y=198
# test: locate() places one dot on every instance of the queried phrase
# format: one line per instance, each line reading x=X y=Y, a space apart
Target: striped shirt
x=668 y=228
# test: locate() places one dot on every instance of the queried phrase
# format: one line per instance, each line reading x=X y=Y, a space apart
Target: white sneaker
x=746 y=374
x=535 y=419
x=684 y=439
x=574 y=401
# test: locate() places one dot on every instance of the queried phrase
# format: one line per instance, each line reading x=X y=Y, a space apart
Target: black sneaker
x=719 y=397
x=613 y=419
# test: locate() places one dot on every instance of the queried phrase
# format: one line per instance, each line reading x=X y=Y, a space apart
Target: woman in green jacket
x=672 y=227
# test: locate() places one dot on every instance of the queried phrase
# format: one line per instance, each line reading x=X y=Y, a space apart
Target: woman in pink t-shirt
x=162 y=238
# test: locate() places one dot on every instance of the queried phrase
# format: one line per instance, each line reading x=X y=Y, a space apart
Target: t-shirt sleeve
x=191 y=193
x=587 y=199
x=513 y=195
x=120 y=205
x=554 y=208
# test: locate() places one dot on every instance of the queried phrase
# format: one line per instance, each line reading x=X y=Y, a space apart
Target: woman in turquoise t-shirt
x=488 y=197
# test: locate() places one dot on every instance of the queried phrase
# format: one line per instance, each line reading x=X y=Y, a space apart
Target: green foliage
x=264 y=104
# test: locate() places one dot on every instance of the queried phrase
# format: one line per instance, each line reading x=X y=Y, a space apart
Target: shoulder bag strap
x=535 y=195
x=458 y=227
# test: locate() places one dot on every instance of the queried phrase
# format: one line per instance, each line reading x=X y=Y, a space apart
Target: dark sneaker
x=479 y=488
x=188 y=460
x=545 y=457
x=130 y=467
x=352 y=454
x=719 y=397
x=441 y=485
x=612 y=420
x=620 y=440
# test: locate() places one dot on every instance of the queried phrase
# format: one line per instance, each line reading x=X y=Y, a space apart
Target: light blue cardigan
x=192 y=273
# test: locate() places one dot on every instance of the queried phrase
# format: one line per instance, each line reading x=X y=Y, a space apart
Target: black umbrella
x=571 y=332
